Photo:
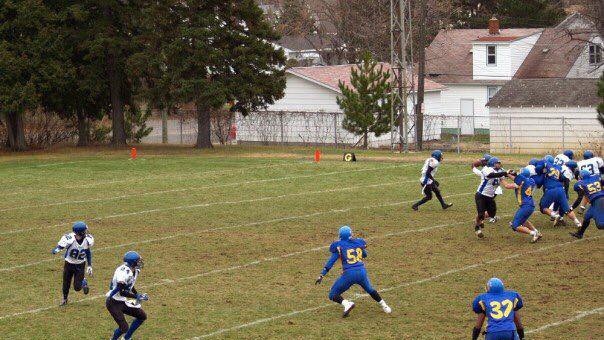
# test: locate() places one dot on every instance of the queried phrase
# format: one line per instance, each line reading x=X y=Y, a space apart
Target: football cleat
x=63 y=302
x=494 y=219
x=479 y=233
x=537 y=237
x=556 y=220
x=576 y=235
x=415 y=207
x=387 y=309
x=447 y=206
x=85 y=287
x=348 y=306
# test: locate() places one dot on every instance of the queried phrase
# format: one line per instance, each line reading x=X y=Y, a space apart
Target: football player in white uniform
x=77 y=246
x=564 y=157
x=429 y=184
x=123 y=299
x=485 y=194
x=595 y=165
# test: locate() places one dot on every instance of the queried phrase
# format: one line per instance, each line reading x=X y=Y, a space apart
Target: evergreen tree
x=366 y=105
x=511 y=13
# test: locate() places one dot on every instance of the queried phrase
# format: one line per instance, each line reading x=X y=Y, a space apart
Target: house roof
x=330 y=76
x=554 y=54
x=547 y=92
x=449 y=56
x=495 y=38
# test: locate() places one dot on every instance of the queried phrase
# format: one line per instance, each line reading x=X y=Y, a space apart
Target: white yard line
x=579 y=316
x=161 y=192
x=237 y=226
x=193 y=206
x=417 y=282
x=245 y=265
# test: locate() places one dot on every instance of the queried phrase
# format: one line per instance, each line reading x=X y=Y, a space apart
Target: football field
x=234 y=238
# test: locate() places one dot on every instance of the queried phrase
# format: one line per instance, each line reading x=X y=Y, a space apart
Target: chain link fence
x=499 y=133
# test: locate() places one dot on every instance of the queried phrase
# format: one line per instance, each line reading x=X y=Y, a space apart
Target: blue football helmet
x=345 y=233
x=588 y=154
x=549 y=159
x=525 y=172
x=495 y=286
x=569 y=153
x=584 y=174
x=486 y=157
x=492 y=161
x=133 y=259
x=79 y=228
x=572 y=165
x=533 y=161
x=437 y=154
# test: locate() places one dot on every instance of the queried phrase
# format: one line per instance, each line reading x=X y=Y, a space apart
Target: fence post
x=510 y=127
x=458 y=133
x=563 y=133
x=281 y=124
x=335 y=129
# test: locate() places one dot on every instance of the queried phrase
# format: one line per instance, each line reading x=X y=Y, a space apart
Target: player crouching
x=352 y=252
x=591 y=186
x=524 y=186
x=77 y=246
x=123 y=299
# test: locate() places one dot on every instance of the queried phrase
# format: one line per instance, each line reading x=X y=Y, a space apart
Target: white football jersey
x=567 y=173
x=561 y=159
x=531 y=169
x=74 y=251
x=430 y=162
x=488 y=186
x=124 y=274
x=592 y=165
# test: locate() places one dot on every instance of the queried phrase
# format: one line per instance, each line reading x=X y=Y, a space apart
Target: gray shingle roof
x=547 y=92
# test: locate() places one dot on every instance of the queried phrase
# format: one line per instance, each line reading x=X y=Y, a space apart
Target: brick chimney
x=493 y=26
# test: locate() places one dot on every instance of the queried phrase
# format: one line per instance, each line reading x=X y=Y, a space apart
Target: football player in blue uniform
x=351 y=251
x=591 y=186
x=554 y=192
x=123 y=299
x=77 y=246
x=429 y=184
x=501 y=309
x=524 y=187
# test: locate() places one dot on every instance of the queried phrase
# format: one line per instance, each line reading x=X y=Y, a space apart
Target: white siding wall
x=500 y=71
x=582 y=69
x=545 y=129
x=303 y=95
x=451 y=101
x=520 y=49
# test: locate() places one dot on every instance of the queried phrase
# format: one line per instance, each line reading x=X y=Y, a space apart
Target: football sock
x=382 y=303
x=338 y=299
x=133 y=327
x=577 y=222
x=422 y=201
x=376 y=296
x=583 y=227
x=533 y=232
x=116 y=334
x=440 y=198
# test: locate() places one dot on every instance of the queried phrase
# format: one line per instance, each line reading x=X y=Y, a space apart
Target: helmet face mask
x=80 y=229
x=494 y=163
x=134 y=260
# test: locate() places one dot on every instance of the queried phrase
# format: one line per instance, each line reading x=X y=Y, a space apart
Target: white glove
x=89 y=270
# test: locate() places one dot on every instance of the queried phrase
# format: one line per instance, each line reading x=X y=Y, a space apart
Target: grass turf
x=233 y=239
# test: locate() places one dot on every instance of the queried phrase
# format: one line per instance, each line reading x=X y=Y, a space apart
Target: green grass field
x=233 y=240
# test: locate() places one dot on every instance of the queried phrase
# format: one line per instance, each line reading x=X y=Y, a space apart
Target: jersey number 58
x=354 y=255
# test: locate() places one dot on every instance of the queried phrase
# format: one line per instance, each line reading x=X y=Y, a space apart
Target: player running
x=123 y=299
x=351 y=251
x=554 y=192
x=429 y=184
x=524 y=187
x=485 y=194
x=592 y=187
x=501 y=308
x=77 y=246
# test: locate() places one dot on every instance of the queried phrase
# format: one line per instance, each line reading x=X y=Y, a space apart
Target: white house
x=546 y=115
x=474 y=63
x=309 y=113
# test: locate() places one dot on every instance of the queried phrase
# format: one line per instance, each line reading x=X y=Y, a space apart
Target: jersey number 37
x=497 y=313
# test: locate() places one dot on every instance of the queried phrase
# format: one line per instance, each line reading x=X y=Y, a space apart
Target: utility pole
x=421 y=75
x=399 y=37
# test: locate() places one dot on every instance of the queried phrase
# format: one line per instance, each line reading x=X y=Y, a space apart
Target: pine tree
x=366 y=105
x=511 y=13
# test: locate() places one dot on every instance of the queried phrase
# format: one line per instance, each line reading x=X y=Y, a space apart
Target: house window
x=491 y=55
x=595 y=54
x=492 y=90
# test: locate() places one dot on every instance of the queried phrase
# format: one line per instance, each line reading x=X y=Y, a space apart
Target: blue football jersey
x=553 y=176
x=351 y=252
x=499 y=309
x=591 y=186
x=524 y=192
